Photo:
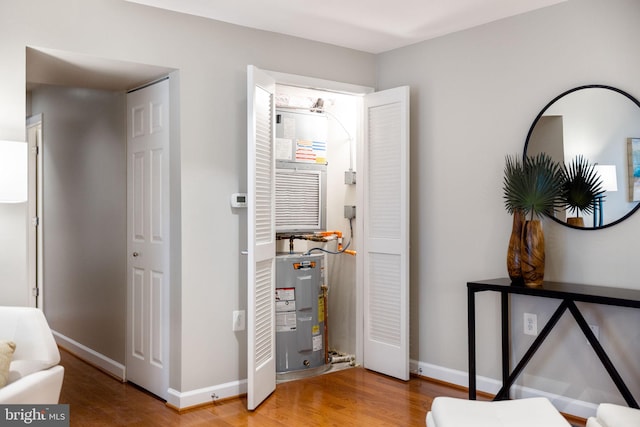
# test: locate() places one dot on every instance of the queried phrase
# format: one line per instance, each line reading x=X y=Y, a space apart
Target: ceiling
x=56 y=67
x=367 y=25
x=373 y=26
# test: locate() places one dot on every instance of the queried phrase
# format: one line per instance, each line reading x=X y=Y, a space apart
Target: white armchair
x=35 y=376
x=610 y=415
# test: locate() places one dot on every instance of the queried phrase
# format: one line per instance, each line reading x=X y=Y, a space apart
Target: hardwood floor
x=350 y=397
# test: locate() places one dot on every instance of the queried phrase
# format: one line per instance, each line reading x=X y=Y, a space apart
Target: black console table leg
x=471 y=324
x=506 y=350
x=602 y=355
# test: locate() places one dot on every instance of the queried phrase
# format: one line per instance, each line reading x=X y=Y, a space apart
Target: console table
x=568 y=294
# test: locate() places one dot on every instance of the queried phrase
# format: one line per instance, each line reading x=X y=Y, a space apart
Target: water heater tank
x=299 y=312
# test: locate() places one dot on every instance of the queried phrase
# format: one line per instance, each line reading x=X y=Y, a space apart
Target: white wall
x=212 y=59
x=342 y=268
x=84 y=202
x=474 y=96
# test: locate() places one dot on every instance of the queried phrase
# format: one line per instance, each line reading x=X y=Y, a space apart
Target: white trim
x=101 y=361
x=35 y=232
x=318 y=84
x=564 y=404
x=187 y=399
x=578 y=408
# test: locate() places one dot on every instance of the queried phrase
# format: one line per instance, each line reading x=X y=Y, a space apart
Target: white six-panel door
x=148 y=237
x=261 y=346
x=384 y=172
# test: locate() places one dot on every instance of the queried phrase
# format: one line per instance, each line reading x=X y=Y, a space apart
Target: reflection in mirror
x=598 y=122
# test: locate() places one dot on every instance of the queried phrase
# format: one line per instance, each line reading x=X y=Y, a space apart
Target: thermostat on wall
x=239 y=200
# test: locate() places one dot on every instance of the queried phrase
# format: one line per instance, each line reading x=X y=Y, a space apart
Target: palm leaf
x=581 y=184
x=532 y=185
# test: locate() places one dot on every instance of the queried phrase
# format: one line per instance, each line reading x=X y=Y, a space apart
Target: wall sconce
x=13 y=172
x=609 y=183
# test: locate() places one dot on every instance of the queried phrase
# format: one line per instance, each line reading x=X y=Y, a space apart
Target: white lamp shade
x=608 y=175
x=13 y=172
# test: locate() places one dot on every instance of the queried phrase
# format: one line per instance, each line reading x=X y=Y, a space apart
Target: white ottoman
x=610 y=415
x=533 y=412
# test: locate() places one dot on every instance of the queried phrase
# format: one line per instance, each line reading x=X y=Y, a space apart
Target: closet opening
x=316 y=244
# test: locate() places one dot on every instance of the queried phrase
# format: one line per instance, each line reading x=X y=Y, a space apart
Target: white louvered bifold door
x=261 y=351
x=385 y=214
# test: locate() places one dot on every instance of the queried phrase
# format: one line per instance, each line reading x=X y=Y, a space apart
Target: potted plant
x=532 y=188
x=581 y=185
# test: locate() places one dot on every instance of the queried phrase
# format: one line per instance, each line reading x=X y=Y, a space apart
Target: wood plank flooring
x=350 y=397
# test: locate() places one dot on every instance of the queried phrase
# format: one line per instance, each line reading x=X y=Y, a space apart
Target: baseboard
x=175 y=399
x=578 y=408
x=98 y=360
x=184 y=400
x=188 y=399
x=459 y=378
x=564 y=404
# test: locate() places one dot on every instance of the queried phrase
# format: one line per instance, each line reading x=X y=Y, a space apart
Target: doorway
x=84 y=294
x=336 y=124
x=382 y=268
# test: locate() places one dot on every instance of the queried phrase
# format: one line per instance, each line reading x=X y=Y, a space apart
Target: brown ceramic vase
x=514 y=267
x=532 y=253
x=576 y=221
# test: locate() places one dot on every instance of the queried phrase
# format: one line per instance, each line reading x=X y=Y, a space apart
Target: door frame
x=35 y=230
x=110 y=65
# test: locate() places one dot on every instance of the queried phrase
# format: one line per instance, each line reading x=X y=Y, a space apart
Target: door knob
x=135 y=254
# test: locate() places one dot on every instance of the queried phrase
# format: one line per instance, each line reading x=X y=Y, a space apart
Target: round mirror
x=602 y=124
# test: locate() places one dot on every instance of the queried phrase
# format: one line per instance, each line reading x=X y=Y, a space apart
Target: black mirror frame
x=535 y=121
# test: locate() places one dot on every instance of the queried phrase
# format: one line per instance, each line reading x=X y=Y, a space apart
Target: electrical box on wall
x=350 y=177
x=349 y=211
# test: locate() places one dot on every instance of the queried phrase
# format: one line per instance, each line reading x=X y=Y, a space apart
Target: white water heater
x=300 y=312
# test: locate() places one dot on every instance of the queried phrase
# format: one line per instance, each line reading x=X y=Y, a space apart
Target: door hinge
x=35 y=292
x=35 y=150
x=35 y=221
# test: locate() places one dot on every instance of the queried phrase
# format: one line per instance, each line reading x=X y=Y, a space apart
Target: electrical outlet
x=238 y=320
x=530 y=324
